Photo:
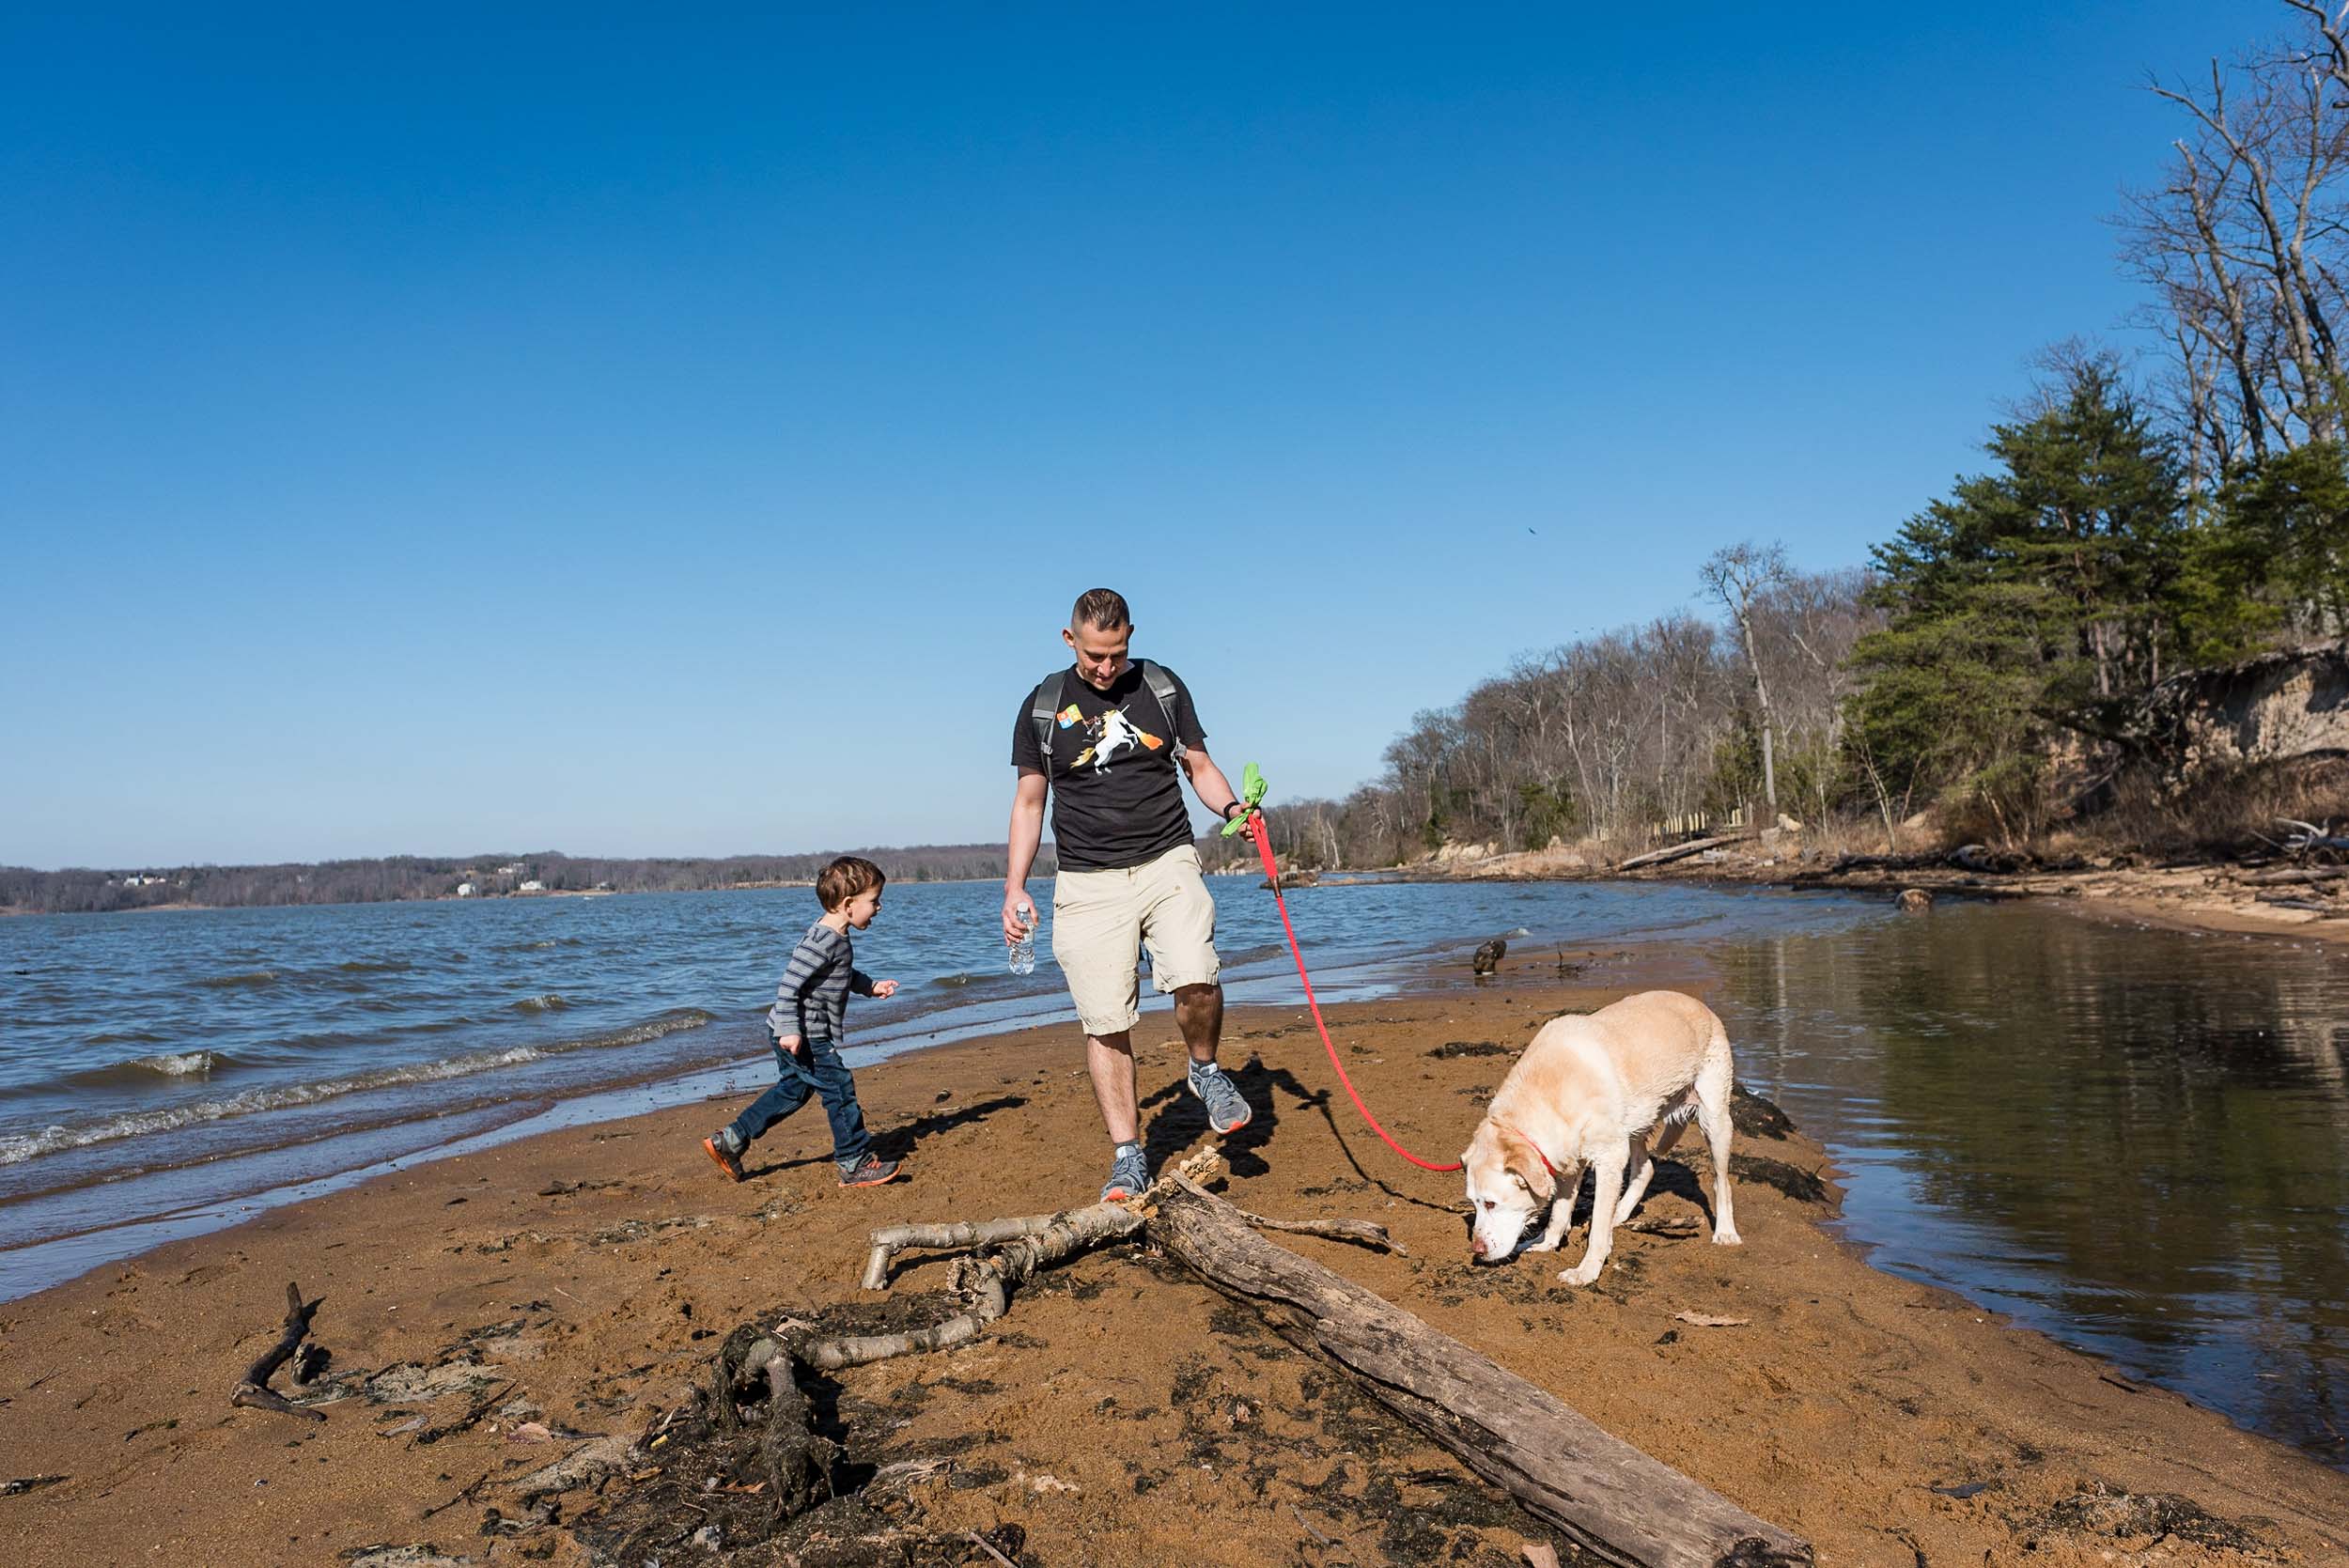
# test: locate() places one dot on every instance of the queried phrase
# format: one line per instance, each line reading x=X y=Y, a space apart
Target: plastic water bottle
x=1024 y=950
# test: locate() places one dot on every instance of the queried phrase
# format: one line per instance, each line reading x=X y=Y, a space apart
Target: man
x=1105 y=740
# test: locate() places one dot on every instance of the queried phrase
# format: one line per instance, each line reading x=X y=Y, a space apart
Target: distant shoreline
x=2181 y=898
x=17 y=910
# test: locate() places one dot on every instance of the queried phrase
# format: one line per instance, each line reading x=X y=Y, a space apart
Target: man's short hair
x=1102 y=608
x=844 y=878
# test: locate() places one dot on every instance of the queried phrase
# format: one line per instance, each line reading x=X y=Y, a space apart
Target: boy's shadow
x=898 y=1142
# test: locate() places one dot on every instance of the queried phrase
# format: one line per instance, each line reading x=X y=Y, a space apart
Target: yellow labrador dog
x=1586 y=1092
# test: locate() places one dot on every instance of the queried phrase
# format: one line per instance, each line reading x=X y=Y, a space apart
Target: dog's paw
x=1578 y=1276
x=1728 y=1238
x=1539 y=1245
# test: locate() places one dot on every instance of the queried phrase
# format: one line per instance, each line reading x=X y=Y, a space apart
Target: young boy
x=811 y=1006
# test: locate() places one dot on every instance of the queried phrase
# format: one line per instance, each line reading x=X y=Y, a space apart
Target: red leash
x=1272 y=872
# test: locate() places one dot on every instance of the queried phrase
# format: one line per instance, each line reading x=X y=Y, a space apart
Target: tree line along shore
x=2123 y=636
x=392 y=878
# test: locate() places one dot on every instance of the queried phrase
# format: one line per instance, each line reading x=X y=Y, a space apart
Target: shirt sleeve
x=1026 y=755
x=861 y=983
x=1185 y=717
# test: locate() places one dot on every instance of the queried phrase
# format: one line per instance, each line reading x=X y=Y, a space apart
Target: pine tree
x=2042 y=597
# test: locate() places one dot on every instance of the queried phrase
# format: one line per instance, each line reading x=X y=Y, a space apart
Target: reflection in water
x=2135 y=1140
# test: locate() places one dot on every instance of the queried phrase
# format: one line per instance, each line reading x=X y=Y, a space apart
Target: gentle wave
x=137 y=1073
x=375 y=965
x=550 y=1002
x=250 y=977
x=16 y=1150
x=180 y=1064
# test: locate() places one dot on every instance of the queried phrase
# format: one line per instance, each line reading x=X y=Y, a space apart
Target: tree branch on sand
x=252 y=1390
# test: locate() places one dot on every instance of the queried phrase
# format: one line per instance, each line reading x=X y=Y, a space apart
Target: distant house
x=536 y=886
x=465 y=890
x=513 y=870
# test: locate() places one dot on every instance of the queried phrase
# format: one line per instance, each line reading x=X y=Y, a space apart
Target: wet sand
x=575 y=1287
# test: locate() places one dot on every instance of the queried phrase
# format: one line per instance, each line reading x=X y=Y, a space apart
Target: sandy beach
x=551 y=1302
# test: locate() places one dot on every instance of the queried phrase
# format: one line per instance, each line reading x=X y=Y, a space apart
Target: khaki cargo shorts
x=1102 y=918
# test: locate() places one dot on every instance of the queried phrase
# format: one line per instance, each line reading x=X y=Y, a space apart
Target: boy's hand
x=793 y=1044
x=884 y=988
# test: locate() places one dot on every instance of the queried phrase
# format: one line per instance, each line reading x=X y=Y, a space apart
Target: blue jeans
x=822 y=1074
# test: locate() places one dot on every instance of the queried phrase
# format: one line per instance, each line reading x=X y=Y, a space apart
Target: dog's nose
x=1476 y=1246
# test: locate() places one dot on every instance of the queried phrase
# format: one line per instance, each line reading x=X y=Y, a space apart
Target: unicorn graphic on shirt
x=1117 y=734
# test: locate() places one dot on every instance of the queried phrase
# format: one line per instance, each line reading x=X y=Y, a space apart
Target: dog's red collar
x=1536 y=1148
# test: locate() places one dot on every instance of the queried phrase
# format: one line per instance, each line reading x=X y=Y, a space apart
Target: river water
x=2134 y=1140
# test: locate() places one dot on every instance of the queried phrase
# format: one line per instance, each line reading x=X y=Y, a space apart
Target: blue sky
x=649 y=431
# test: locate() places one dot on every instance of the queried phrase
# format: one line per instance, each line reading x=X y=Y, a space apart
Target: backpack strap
x=1161 y=686
x=1043 y=711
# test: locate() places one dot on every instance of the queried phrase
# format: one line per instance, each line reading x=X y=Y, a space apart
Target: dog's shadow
x=1672 y=1178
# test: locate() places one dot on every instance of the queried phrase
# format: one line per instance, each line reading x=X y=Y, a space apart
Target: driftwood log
x=2301 y=876
x=2307 y=837
x=1026 y=1245
x=1620 y=1505
x=1677 y=851
x=252 y=1390
x=1614 y=1501
x=1362 y=1232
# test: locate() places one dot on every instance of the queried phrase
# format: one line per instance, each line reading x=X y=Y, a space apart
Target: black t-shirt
x=1117 y=800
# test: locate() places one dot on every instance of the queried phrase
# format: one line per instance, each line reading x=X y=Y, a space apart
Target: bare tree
x=2243 y=246
x=1735 y=576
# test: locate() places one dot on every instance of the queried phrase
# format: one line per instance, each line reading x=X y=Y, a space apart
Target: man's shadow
x=1181 y=1118
x=1178 y=1125
x=898 y=1142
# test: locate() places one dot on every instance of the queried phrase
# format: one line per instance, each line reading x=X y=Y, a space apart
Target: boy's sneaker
x=1129 y=1176
x=727 y=1160
x=871 y=1173
x=1226 y=1110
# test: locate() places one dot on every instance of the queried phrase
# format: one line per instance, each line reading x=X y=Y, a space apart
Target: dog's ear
x=1520 y=1157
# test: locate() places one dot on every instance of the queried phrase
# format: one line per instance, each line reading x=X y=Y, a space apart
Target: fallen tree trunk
x=2292 y=878
x=2311 y=836
x=1361 y=1232
x=1614 y=1501
x=1678 y=852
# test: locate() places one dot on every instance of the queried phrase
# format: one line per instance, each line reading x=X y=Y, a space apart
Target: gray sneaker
x=1128 y=1177
x=1226 y=1110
